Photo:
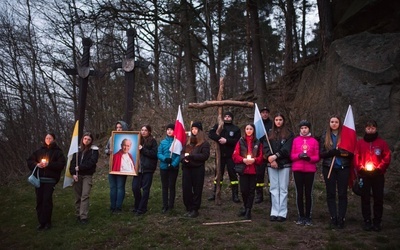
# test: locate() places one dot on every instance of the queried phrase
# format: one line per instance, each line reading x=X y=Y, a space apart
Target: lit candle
x=44 y=161
x=248 y=157
x=369 y=166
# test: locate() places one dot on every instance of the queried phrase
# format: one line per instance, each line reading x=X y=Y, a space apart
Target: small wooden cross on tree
x=220 y=103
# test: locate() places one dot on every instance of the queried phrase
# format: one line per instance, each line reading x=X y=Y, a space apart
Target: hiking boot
x=235 y=194
x=340 y=223
x=247 y=214
x=367 y=225
x=259 y=195
x=242 y=212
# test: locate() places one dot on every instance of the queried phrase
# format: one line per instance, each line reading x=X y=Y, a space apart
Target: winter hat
x=228 y=113
x=305 y=123
x=197 y=125
x=171 y=126
x=264 y=108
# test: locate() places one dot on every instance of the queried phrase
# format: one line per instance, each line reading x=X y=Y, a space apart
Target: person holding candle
x=304 y=156
x=277 y=153
x=372 y=158
x=248 y=151
x=50 y=162
x=193 y=157
x=340 y=160
x=226 y=140
x=82 y=168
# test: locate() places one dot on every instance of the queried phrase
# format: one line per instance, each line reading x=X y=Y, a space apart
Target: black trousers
x=260 y=175
x=192 y=187
x=168 y=185
x=376 y=184
x=248 y=188
x=304 y=182
x=44 y=202
x=230 y=166
x=338 y=180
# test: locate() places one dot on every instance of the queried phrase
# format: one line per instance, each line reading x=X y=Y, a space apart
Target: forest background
x=260 y=49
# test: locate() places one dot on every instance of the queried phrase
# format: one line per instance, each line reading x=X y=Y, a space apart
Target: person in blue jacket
x=169 y=169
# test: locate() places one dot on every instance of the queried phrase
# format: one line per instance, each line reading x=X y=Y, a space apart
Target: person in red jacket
x=372 y=158
x=248 y=151
x=304 y=156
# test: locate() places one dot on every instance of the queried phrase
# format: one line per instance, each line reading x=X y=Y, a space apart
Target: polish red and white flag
x=348 y=139
x=179 y=134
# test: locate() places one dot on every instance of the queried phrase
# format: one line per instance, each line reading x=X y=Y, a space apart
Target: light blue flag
x=258 y=122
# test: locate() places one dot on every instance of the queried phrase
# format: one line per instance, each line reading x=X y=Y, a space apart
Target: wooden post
x=220 y=103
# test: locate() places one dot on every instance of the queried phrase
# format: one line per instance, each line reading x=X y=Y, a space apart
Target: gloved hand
x=334 y=152
x=304 y=156
x=168 y=160
x=170 y=166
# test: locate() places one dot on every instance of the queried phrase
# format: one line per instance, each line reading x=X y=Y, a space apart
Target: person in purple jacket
x=304 y=156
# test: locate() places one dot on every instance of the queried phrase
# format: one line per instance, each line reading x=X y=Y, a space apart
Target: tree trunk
x=325 y=24
x=257 y=62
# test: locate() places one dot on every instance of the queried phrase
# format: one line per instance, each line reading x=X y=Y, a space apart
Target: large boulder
x=362 y=70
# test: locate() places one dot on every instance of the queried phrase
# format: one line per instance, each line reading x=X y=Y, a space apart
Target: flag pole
x=269 y=144
x=330 y=169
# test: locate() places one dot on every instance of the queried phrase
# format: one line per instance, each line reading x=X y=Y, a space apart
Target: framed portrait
x=124 y=159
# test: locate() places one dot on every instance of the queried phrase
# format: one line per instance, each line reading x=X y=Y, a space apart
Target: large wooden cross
x=220 y=103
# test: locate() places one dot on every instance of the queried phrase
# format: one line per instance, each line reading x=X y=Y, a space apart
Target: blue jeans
x=117 y=190
x=141 y=185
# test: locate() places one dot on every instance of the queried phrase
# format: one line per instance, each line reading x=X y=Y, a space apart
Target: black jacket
x=346 y=157
x=281 y=148
x=148 y=157
x=231 y=133
x=86 y=161
x=55 y=157
x=199 y=153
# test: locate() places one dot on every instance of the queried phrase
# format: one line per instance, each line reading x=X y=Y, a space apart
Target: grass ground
x=173 y=231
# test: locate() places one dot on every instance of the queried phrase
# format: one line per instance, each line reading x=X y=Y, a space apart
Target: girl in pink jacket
x=304 y=156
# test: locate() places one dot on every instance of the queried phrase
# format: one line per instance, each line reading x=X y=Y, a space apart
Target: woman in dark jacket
x=50 y=162
x=82 y=169
x=141 y=183
x=277 y=153
x=341 y=160
x=193 y=158
x=248 y=151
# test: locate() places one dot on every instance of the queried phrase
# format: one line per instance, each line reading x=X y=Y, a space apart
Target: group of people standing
x=279 y=151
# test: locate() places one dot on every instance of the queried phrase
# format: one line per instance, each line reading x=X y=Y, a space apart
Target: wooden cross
x=128 y=65
x=83 y=71
x=220 y=103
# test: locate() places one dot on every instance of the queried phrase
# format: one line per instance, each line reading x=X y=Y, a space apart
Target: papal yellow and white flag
x=73 y=148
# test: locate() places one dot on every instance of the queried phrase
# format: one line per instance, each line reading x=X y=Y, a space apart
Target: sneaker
x=367 y=225
x=194 y=214
x=273 y=218
x=84 y=221
x=300 y=221
x=377 y=227
x=308 y=222
x=281 y=219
